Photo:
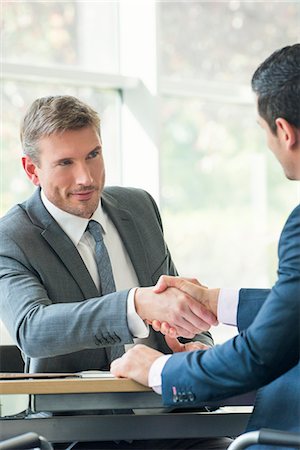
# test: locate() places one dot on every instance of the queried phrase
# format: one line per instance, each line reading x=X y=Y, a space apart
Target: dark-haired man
x=265 y=354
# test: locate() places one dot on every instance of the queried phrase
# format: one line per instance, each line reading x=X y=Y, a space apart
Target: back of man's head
x=276 y=83
x=54 y=114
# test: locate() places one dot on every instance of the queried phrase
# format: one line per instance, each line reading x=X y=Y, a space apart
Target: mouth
x=83 y=195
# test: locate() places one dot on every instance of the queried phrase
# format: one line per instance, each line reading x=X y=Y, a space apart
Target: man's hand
x=177 y=346
x=191 y=286
x=207 y=297
x=135 y=363
x=184 y=314
x=165 y=281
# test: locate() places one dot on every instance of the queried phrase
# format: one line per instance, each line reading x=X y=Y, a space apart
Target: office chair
x=11 y=359
x=26 y=441
x=267 y=437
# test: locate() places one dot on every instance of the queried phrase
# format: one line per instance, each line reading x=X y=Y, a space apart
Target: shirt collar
x=74 y=226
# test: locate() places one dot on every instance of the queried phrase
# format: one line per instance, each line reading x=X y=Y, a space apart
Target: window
x=223 y=41
x=68 y=33
x=224 y=198
x=171 y=81
x=48 y=48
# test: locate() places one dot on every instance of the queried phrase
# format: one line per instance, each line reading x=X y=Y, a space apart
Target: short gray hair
x=49 y=115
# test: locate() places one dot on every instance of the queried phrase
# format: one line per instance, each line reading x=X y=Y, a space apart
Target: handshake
x=178 y=306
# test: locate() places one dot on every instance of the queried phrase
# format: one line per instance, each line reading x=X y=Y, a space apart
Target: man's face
x=70 y=170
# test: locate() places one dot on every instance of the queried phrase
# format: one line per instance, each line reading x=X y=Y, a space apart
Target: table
x=150 y=421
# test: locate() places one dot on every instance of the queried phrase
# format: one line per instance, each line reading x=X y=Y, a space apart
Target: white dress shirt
x=227 y=314
x=122 y=268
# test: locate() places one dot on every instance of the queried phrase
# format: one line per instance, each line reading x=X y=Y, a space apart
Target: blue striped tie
x=107 y=283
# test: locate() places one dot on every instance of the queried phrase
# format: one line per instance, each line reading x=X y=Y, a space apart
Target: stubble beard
x=85 y=209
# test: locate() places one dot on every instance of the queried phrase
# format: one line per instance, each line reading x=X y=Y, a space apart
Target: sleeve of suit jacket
x=46 y=308
x=266 y=347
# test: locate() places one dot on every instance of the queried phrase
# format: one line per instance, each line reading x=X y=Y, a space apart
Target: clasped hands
x=178 y=306
x=175 y=307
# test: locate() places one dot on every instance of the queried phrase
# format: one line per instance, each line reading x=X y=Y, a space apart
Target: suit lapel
x=61 y=244
x=66 y=251
x=130 y=236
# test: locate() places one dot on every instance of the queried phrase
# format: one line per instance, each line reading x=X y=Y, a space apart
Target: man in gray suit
x=51 y=296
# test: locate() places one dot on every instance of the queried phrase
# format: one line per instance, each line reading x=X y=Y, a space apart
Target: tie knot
x=96 y=230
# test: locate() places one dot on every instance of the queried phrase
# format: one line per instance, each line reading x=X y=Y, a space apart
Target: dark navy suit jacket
x=264 y=356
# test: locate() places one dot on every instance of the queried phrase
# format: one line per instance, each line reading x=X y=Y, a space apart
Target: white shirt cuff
x=137 y=327
x=154 y=377
x=228 y=305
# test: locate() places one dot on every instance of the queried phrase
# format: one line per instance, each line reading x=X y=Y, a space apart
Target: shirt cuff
x=137 y=327
x=228 y=305
x=154 y=377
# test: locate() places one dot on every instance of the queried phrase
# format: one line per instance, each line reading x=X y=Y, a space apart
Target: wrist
x=213 y=298
x=139 y=303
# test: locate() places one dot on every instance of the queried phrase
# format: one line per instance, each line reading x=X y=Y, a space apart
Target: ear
x=31 y=170
x=286 y=133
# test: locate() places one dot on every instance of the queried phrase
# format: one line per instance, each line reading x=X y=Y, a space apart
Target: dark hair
x=276 y=83
x=54 y=114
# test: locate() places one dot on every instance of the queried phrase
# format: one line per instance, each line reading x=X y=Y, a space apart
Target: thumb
x=174 y=344
x=161 y=285
x=166 y=281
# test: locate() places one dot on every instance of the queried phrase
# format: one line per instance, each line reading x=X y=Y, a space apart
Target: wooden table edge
x=70 y=386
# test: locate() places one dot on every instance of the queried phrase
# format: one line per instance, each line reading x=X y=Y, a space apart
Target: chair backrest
x=11 y=359
x=266 y=437
x=26 y=441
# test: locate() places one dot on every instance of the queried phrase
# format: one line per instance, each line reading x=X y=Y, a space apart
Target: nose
x=83 y=175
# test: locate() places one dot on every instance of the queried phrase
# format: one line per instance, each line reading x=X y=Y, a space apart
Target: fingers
x=176 y=308
x=166 y=281
x=166 y=329
x=182 y=317
x=206 y=317
x=174 y=344
x=207 y=297
x=163 y=327
x=177 y=347
x=135 y=364
x=118 y=368
x=199 y=319
x=161 y=285
x=156 y=325
x=189 y=314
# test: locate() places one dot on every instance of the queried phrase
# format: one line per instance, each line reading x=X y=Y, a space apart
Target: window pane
x=16 y=98
x=222 y=41
x=83 y=34
x=224 y=196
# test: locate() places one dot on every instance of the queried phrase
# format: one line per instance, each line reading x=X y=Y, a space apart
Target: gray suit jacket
x=48 y=300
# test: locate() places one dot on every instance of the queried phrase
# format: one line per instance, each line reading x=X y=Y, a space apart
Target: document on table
x=95 y=374
x=36 y=375
x=39 y=376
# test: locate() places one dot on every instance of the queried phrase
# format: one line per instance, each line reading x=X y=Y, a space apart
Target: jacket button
x=175 y=398
x=190 y=396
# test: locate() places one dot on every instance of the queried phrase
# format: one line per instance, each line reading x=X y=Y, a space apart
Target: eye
x=65 y=162
x=94 y=154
